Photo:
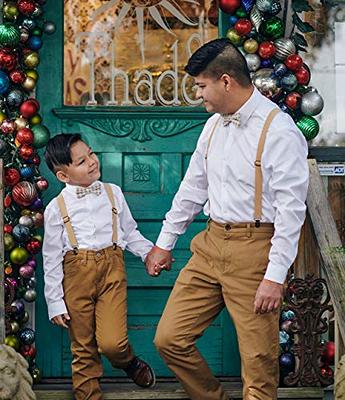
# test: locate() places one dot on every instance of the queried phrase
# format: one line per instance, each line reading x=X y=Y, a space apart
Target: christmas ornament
x=35 y=42
x=21 y=233
x=49 y=27
x=8 y=127
x=243 y=26
x=284 y=47
x=26 y=271
x=234 y=37
x=30 y=295
x=328 y=353
x=229 y=6
x=32 y=282
x=8 y=59
x=293 y=100
x=14 y=327
x=287 y=315
x=17 y=77
x=9 y=35
x=266 y=82
x=293 y=62
x=312 y=103
x=19 y=255
x=17 y=306
x=36 y=375
x=21 y=122
x=250 y=46
x=264 y=5
x=266 y=50
x=33 y=246
x=29 y=108
x=24 y=35
x=12 y=176
x=303 y=75
x=8 y=228
x=9 y=242
x=308 y=126
x=26 y=152
x=26 y=172
x=12 y=341
x=31 y=60
x=37 y=31
x=14 y=98
x=11 y=11
x=4 y=82
x=287 y=362
x=26 y=336
x=24 y=193
x=326 y=372
x=26 y=7
x=280 y=70
x=37 y=12
x=28 y=351
x=253 y=62
x=41 y=135
x=286 y=326
x=38 y=220
x=26 y=220
x=25 y=136
x=232 y=20
x=272 y=28
x=28 y=24
x=32 y=73
x=275 y=8
x=29 y=84
x=241 y=13
x=288 y=82
x=266 y=63
x=36 y=119
x=32 y=262
x=42 y=184
x=247 y=5
x=256 y=18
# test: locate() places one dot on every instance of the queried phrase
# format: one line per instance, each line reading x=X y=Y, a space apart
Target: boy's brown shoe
x=141 y=373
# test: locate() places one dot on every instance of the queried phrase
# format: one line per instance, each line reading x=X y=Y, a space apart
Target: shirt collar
x=73 y=188
x=249 y=106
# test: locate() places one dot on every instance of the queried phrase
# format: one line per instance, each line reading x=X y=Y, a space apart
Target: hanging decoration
x=277 y=68
x=21 y=134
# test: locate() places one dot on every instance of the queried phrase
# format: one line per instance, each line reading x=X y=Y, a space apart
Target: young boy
x=87 y=227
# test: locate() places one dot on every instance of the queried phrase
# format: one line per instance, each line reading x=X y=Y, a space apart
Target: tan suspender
x=257 y=163
x=67 y=221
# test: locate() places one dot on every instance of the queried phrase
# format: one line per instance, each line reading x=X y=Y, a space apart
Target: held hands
x=269 y=297
x=157 y=260
x=61 y=320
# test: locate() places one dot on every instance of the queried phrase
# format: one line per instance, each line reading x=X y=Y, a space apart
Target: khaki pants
x=225 y=269
x=96 y=298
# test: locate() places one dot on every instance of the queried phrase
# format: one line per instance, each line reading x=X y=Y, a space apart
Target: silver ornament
x=37 y=12
x=312 y=103
x=266 y=82
x=289 y=82
x=15 y=98
x=49 y=27
x=30 y=295
x=256 y=17
x=29 y=23
x=26 y=221
x=284 y=47
x=31 y=284
x=253 y=62
x=14 y=327
x=264 y=5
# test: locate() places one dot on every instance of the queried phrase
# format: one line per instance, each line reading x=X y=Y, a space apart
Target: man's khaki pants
x=95 y=289
x=226 y=268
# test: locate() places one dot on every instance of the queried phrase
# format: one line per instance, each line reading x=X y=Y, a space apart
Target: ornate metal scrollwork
x=309 y=299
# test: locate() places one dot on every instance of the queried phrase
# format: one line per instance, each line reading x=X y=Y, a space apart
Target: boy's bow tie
x=232 y=118
x=82 y=192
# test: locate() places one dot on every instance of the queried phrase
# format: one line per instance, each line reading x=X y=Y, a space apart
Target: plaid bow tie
x=82 y=192
x=232 y=118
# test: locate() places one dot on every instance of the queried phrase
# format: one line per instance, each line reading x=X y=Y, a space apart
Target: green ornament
x=308 y=126
x=41 y=135
x=9 y=242
x=37 y=31
x=11 y=11
x=234 y=37
x=9 y=35
x=19 y=255
x=12 y=341
x=241 y=13
x=273 y=28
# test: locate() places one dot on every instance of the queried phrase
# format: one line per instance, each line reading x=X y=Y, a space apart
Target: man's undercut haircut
x=219 y=57
x=58 y=150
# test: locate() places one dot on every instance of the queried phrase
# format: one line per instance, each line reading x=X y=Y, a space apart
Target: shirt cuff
x=276 y=273
x=56 y=308
x=166 y=241
x=144 y=254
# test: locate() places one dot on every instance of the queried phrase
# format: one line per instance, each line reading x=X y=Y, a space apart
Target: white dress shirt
x=91 y=219
x=225 y=189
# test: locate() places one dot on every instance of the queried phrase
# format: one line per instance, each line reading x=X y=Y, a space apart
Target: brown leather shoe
x=141 y=373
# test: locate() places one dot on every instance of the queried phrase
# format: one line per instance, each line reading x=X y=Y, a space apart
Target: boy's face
x=84 y=169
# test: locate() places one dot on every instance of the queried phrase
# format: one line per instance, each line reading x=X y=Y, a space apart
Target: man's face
x=212 y=91
x=84 y=169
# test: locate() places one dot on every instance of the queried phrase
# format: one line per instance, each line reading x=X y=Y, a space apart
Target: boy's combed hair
x=219 y=57
x=58 y=150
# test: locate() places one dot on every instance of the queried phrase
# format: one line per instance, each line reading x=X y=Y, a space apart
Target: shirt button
x=227 y=227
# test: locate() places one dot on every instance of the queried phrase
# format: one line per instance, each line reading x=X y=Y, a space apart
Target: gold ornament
x=21 y=122
x=36 y=119
x=32 y=73
x=234 y=37
x=2 y=117
x=29 y=84
x=250 y=46
x=31 y=60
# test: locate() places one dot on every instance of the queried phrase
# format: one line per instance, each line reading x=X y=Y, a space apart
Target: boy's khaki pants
x=226 y=268
x=96 y=298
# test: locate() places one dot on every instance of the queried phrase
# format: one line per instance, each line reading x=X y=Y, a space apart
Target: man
x=249 y=172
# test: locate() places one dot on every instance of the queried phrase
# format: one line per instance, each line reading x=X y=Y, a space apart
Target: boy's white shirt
x=91 y=219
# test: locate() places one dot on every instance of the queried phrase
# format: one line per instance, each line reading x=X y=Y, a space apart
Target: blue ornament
x=266 y=63
x=26 y=336
x=15 y=98
x=284 y=107
x=232 y=20
x=287 y=315
x=35 y=42
x=289 y=82
x=287 y=362
x=21 y=233
x=247 y=5
x=280 y=70
x=26 y=172
x=284 y=337
x=4 y=82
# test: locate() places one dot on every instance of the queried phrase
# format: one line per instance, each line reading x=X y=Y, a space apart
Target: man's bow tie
x=82 y=192
x=232 y=118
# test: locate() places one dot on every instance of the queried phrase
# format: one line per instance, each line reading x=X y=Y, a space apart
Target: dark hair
x=219 y=57
x=58 y=150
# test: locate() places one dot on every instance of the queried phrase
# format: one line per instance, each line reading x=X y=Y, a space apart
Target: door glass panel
x=121 y=52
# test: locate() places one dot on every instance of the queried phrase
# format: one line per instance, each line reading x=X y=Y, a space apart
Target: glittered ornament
x=287 y=362
x=26 y=7
x=30 y=295
x=41 y=135
x=24 y=193
x=9 y=242
x=14 y=98
x=49 y=27
x=308 y=126
x=31 y=60
x=266 y=50
x=229 y=6
x=8 y=127
x=29 y=24
x=26 y=152
x=293 y=100
x=275 y=8
x=26 y=271
x=9 y=35
x=36 y=375
x=326 y=372
x=17 y=77
x=250 y=46
x=284 y=47
x=28 y=351
x=312 y=103
x=12 y=176
x=272 y=28
x=253 y=62
x=33 y=246
x=243 y=26
x=29 y=108
x=8 y=59
x=8 y=228
x=21 y=122
x=25 y=136
x=21 y=233
x=288 y=82
x=293 y=62
x=234 y=37
x=11 y=11
x=19 y=255
x=4 y=83
x=26 y=336
x=303 y=75
x=266 y=82
x=12 y=341
x=266 y=63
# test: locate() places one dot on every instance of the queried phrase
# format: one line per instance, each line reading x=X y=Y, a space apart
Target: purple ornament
x=26 y=271
x=18 y=307
x=280 y=70
x=13 y=282
x=287 y=362
x=37 y=204
x=32 y=263
x=266 y=64
x=247 y=5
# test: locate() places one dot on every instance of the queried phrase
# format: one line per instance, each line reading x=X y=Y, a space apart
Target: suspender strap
x=210 y=139
x=66 y=220
x=113 y=212
x=258 y=171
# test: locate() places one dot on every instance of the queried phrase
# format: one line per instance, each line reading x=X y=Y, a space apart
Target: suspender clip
x=66 y=219
x=75 y=250
x=257 y=163
x=257 y=223
x=114 y=246
x=114 y=210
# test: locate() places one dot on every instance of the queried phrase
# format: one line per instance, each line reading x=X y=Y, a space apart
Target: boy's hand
x=269 y=297
x=158 y=259
x=62 y=320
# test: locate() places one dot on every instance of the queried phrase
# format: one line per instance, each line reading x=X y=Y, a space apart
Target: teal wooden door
x=146 y=152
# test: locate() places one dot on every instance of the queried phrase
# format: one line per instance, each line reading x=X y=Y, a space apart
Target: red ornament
x=294 y=62
x=25 y=136
x=229 y=6
x=28 y=350
x=328 y=353
x=326 y=372
x=7 y=201
x=8 y=228
x=17 y=76
x=26 y=7
x=42 y=184
x=12 y=176
x=266 y=50
x=8 y=126
x=293 y=100
x=8 y=59
x=243 y=26
x=303 y=76
x=24 y=193
x=26 y=152
x=36 y=160
x=34 y=246
x=29 y=108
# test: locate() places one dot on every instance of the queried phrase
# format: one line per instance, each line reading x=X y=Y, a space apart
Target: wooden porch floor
x=164 y=389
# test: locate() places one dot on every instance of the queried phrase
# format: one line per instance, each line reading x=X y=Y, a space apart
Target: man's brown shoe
x=141 y=373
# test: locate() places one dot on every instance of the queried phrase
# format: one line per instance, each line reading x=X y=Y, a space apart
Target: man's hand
x=158 y=259
x=269 y=297
x=62 y=320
